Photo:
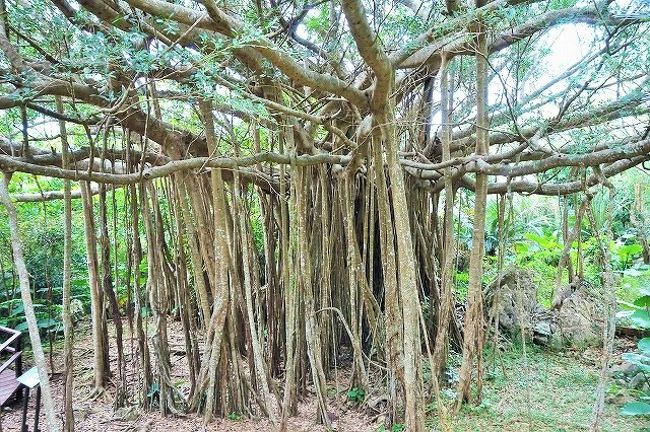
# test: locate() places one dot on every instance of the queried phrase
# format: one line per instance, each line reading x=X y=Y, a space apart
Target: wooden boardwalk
x=11 y=366
x=8 y=386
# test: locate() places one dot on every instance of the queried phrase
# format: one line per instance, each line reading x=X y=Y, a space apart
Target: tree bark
x=449 y=247
x=408 y=291
x=473 y=337
x=100 y=337
x=68 y=329
x=51 y=420
x=609 y=327
x=222 y=297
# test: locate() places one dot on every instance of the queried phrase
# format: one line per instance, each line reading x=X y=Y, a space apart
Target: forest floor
x=525 y=390
x=534 y=389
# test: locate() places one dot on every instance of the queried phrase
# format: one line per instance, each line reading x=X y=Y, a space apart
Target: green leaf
x=640 y=360
x=356 y=394
x=636 y=409
x=632 y=272
x=47 y=323
x=234 y=416
x=18 y=310
x=543 y=241
x=643 y=301
x=521 y=248
x=644 y=345
x=632 y=249
x=79 y=280
x=641 y=318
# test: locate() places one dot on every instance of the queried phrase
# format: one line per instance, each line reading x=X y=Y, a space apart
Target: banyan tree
x=290 y=172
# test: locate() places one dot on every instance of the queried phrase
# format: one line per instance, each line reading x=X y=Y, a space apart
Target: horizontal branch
x=490 y=164
x=49 y=195
x=458 y=44
x=554 y=189
x=564 y=160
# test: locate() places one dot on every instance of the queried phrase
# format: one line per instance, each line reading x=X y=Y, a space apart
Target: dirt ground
x=98 y=414
x=536 y=391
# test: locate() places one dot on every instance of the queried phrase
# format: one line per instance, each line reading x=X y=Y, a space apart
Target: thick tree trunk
x=100 y=336
x=449 y=249
x=221 y=291
x=304 y=270
x=289 y=402
x=109 y=293
x=407 y=280
x=393 y=314
x=158 y=287
x=473 y=337
x=189 y=225
x=140 y=302
x=270 y=405
x=355 y=274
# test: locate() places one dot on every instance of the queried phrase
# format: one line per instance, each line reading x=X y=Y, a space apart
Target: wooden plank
x=14 y=334
x=8 y=385
x=10 y=361
x=8 y=376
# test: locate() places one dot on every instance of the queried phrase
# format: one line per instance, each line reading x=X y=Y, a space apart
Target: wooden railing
x=13 y=347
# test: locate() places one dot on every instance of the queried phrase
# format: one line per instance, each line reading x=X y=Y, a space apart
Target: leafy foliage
x=234 y=416
x=356 y=395
x=640 y=359
x=395 y=427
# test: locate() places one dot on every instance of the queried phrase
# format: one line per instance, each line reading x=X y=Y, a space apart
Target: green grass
x=539 y=391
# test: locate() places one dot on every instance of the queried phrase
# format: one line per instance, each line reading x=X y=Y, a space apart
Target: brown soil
x=99 y=415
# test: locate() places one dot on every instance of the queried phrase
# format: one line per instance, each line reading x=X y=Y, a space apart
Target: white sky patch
x=567 y=43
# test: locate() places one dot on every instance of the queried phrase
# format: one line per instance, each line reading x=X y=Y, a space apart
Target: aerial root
x=97 y=393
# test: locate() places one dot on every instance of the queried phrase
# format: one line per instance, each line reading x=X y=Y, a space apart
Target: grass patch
x=538 y=391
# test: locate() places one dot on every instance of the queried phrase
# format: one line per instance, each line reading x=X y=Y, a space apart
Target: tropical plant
x=356 y=395
x=639 y=314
